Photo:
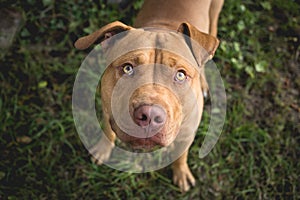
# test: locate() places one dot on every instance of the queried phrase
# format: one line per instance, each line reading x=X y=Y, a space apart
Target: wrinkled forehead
x=139 y=39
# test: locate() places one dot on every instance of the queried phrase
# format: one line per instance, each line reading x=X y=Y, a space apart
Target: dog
x=156 y=109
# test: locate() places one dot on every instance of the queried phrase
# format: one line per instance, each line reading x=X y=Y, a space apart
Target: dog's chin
x=150 y=143
x=145 y=144
x=163 y=138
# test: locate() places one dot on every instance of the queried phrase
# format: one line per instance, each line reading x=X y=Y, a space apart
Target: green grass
x=257 y=156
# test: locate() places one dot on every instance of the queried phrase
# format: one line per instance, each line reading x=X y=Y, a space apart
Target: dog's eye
x=128 y=69
x=180 y=76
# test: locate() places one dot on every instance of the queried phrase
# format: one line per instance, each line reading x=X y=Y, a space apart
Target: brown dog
x=154 y=108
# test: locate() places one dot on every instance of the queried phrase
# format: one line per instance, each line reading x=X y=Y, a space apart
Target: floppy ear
x=208 y=42
x=209 y=46
x=101 y=35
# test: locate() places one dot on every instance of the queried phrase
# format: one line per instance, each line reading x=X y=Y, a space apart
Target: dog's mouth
x=147 y=139
x=148 y=144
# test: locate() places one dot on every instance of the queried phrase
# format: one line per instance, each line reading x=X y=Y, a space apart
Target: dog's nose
x=153 y=117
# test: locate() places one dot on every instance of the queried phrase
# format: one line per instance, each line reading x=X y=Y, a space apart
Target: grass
x=257 y=156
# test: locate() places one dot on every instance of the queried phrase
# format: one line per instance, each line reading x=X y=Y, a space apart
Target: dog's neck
x=171 y=13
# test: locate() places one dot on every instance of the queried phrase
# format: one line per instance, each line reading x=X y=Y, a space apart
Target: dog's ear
x=208 y=42
x=101 y=35
x=208 y=45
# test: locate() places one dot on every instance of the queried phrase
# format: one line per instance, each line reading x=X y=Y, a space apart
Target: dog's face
x=148 y=94
x=161 y=87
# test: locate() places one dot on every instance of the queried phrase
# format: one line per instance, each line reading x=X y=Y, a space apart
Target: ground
x=257 y=156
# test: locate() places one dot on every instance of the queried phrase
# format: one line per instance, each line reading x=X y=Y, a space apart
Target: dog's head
x=154 y=83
